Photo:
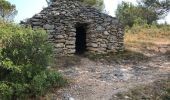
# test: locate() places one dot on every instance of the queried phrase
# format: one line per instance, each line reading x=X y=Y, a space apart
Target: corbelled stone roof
x=73 y=10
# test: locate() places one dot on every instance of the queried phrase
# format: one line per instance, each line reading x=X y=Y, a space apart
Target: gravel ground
x=96 y=80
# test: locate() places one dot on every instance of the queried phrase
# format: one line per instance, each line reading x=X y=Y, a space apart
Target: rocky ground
x=101 y=79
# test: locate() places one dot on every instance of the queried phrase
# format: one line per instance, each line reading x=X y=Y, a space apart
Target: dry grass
x=142 y=37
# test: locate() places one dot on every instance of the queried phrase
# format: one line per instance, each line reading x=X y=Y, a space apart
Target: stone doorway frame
x=81 y=38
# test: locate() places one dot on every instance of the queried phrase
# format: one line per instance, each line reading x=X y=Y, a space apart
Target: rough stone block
x=50 y=31
x=94 y=45
x=106 y=33
x=70 y=46
x=49 y=27
x=60 y=40
x=100 y=28
x=59 y=36
x=71 y=51
x=70 y=42
x=59 y=45
x=103 y=45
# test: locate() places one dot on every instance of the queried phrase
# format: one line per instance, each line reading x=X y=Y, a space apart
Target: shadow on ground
x=126 y=56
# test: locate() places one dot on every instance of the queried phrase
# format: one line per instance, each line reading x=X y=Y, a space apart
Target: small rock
x=100 y=28
x=49 y=27
x=67 y=97
x=94 y=45
x=38 y=16
x=59 y=37
x=106 y=33
x=59 y=45
x=126 y=97
x=70 y=98
x=162 y=50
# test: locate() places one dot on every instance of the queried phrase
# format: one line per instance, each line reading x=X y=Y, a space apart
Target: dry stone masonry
x=74 y=27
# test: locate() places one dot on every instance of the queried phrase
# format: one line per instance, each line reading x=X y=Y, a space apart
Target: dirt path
x=100 y=81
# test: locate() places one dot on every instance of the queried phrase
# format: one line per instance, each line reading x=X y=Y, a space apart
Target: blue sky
x=27 y=8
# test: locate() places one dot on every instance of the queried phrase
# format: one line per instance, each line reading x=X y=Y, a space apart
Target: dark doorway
x=81 y=38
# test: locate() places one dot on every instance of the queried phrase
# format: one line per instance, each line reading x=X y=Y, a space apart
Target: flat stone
x=103 y=45
x=162 y=50
x=100 y=28
x=50 y=31
x=94 y=45
x=59 y=37
x=38 y=16
x=35 y=20
x=71 y=50
x=58 y=50
x=92 y=49
x=70 y=46
x=49 y=27
x=56 y=13
x=60 y=40
x=50 y=36
x=109 y=19
x=37 y=23
x=106 y=33
x=70 y=42
x=59 y=45
x=36 y=27
x=111 y=46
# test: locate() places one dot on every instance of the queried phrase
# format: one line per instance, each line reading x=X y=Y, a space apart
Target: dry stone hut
x=76 y=28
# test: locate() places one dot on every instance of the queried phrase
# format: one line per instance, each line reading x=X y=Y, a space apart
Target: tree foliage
x=148 y=11
x=95 y=3
x=128 y=13
x=160 y=7
x=7 y=10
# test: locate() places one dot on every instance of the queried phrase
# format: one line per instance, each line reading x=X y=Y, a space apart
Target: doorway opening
x=81 y=38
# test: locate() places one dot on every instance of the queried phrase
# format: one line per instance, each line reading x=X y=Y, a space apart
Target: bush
x=5 y=91
x=24 y=57
x=45 y=80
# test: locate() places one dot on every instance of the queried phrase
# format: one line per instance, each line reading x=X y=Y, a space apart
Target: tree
x=129 y=13
x=160 y=7
x=95 y=3
x=7 y=10
x=148 y=11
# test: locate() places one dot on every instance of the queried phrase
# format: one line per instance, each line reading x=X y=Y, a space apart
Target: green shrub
x=5 y=91
x=24 y=57
x=45 y=80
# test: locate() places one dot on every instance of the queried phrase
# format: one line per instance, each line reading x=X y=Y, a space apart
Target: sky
x=27 y=8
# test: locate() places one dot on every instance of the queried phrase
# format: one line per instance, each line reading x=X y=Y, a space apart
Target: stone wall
x=104 y=33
